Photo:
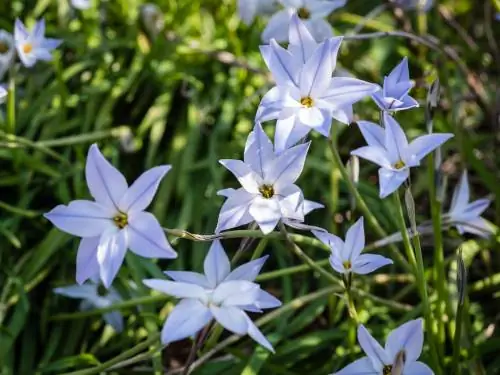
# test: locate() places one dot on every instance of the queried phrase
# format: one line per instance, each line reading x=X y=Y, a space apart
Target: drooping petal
x=140 y=194
x=106 y=184
x=330 y=240
x=287 y=167
x=235 y=210
x=236 y=293
x=249 y=179
x=284 y=68
x=86 y=259
x=86 y=291
x=372 y=348
x=427 y=143
x=302 y=43
x=375 y=154
x=367 y=263
x=408 y=337
x=288 y=132
x=477 y=226
x=115 y=320
x=147 y=238
x=247 y=271
x=189 y=278
x=216 y=264
x=321 y=9
x=277 y=26
x=362 y=366
x=311 y=206
x=186 y=319
x=461 y=194
x=257 y=335
x=231 y=318
x=395 y=139
x=291 y=200
x=417 y=368
x=110 y=254
x=344 y=91
x=266 y=212
x=259 y=149
x=81 y=218
x=390 y=181
x=372 y=133
x=354 y=240
x=176 y=289
x=316 y=74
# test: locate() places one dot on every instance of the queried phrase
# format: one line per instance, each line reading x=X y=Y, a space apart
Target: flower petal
x=287 y=167
x=395 y=139
x=427 y=143
x=302 y=43
x=271 y=104
x=344 y=91
x=277 y=26
x=86 y=259
x=372 y=133
x=86 y=291
x=288 y=132
x=189 y=278
x=461 y=194
x=236 y=293
x=246 y=176
x=176 y=289
x=38 y=30
x=319 y=28
x=417 y=368
x=110 y=254
x=259 y=149
x=284 y=68
x=266 y=300
x=266 y=212
x=313 y=117
x=367 y=263
x=20 y=32
x=140 y=194
x=332 y=241
x=476 y=208
x=257 y=335
x=147 y=238
x=372 y=348
x=354 y=240
x=321 y=9
x=337 y=263
x=408 y=337
x=374 y=154
x=400 y=73
x=216 y=264
x=362 y=366
x=390 y=181
x=316 y=73
x=247 y=271
x=186 y=319
x=81 y=218
x=235 y=210
x=231 y=318
x=106 y=184
x=115 y=320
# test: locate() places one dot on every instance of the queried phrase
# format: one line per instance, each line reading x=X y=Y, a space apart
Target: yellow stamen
x=347 y=264
x=267 y=191
x=387 y=370
x=121 y=220
x=27 y=47
x=399 y=164
x=304 y=13
x=307 y=101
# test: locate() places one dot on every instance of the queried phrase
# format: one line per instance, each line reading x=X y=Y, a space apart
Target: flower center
x=27 y=47
x=304 y=13
x=307 y=101
x=387 y=370
x=4 y=47
x=267 y=191
x=347 y=264
x=121 y=220
x=399 y=164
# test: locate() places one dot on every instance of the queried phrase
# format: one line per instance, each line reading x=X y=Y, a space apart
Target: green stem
x=404 y=232
x=455 y=364
x=11 y=101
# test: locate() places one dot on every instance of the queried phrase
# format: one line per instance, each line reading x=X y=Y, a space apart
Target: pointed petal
x=362 y=366
x=266 y=212
x=374 y=154
x=321 y=9
x=461 y=194
x=259 y=149
x=302 y=43
x=288 y=132
x=400 y=73
x=176 y=289
x=49 y=44
x=39 y=30
x=216 y=264
x=106 y=184
x=186 y=319
x=291 y=200
x=379 y=99
x=189 y=278
x=248 y=271
x=336 y=263
x=267 y=301
x=427 y=143
x=20 y=32
x=476 y=208
x=319 y=28
x=284 y=68
x=140 y=194
x=335 y=44
x=408 y=337
x=330 y=240
x=86 y=259
x=257 y=335
x=355 y=239
x=417 y=368
x=372 y=133
x=390 y=181
x=395 y=139
x=115 y=320
x=287 y=167
x=344 y=115
x=408 y=102
x=271 y=104
x=311 y=206
x=86 y=291
x=367 y=263
x=110 y=254
x=277 y=26
x=372 y=348
x=249 y=179
x=477 y=226
x=236 y=293
x=344 y=91
x=317 y=72
x=231 y=318
x=81 y=218
x=235 y=210
x=147 y=238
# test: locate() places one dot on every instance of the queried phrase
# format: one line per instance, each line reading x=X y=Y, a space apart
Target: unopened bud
x=461 y=278
x=152 y=19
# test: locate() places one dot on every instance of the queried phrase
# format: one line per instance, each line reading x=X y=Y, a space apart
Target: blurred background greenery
x=186 y=95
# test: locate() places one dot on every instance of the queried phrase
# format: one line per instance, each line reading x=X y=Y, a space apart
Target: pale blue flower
x=306 y=96
x=218 y=294
x=115 y=221
x=32 y=45
x=249 y=9
x=81 y=4
x=402 y=349
x=394 y=95
x=467 y=216
x=346 y=256
x=268 y=193
x=424 y=5
x=390 y=149
x=92 y=298
x=312 y=12
x=3 y=94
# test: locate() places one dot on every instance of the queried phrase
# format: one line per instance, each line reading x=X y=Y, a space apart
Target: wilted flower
x=394 y=95
x=346 y=256
x=389 y=149
x=81 y=4
x=93 y=297
x=467 y=216
x=248 y=9
x=115 y=221
x=306 y=96
x=218 y=294
x=402 y=349
x=33 y=46
x=7 y=51
x=312 y=12
x=268 y=192
x=424 y=5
